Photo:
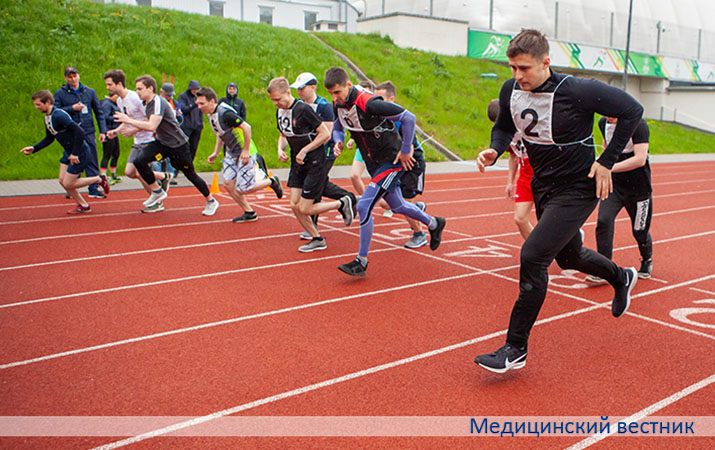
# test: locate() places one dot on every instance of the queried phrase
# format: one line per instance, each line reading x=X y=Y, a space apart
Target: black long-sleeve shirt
x=60 y=126
x=558 y=133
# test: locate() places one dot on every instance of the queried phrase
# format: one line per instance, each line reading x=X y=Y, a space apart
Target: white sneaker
x=211 y=208
x=155 y=198
x=596 y=280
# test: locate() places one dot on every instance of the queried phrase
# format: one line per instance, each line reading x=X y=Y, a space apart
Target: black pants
x=639 y=209
x=180 y=159
x=331 y=190
x=110 y=151
x=561 y=211
x=194 y=138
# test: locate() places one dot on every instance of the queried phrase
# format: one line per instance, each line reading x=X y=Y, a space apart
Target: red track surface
x=196 y=315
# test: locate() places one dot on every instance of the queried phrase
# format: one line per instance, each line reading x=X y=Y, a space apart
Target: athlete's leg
x=608 y=209
x=522 y=211
x=641 y=213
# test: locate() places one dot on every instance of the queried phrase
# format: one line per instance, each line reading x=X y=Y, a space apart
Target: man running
x=305 y=85
x=239 y=162
x=412 y=182
x=632 y=190
x=130 y=104
x=554 y=113
x=170 y=141
x=60 y=126
x=386 y=151
x=306 y=134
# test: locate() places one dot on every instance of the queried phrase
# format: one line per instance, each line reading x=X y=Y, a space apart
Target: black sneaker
x=96 y=194
x=646 y=269
x=346 y=209
x=506 y=358
x=276 y=186
x=354 y=268
x=435 y=236
x=248 y=216
x=622 y=296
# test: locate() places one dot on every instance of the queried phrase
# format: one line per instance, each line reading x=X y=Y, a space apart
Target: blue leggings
x=398 y=205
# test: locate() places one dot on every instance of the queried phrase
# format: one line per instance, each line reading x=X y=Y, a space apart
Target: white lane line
x=703 y=291
x=243 y=318
x=645 y=412
x=326 y=383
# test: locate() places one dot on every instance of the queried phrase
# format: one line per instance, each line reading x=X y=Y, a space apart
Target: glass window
x=216 y=9
x=332 y=26
x=310 y=19
x=143 y=2
x=265 y=15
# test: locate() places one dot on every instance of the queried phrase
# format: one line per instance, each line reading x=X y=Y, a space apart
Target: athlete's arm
x=246 y=153
x=639 y=158
x=376 y=106
x=282 y=145
x=593 y=95
x=338 y=135
x=217 y=148
x=49 y=138
x=150 y=125
x=322 y=137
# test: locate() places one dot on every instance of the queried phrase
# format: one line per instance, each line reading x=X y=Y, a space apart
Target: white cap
x=304 y=79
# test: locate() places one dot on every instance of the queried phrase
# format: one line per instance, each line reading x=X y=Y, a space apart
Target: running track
x=175 y=314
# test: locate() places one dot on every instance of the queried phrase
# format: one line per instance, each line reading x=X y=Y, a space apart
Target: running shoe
x=96 y=194
x=387 y=213
x=276 y=186
x=346 y=209
x=166 y=182
x=305 y=236
x=435 y=236
x=104 y=184
x=417 y=240
x=315 y=243
x=156 y=207
x=80 y=210
x=248 y=216
x=354 y=268
x=115 y=179
x=622 y=296
x=211 y=207
x=421 y=205
x=646 y=269
x=155 y=197
x=503 y=359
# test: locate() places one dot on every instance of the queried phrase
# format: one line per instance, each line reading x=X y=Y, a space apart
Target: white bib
x=610 y=129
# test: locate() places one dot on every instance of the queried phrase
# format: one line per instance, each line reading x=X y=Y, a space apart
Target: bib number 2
x=528 y=131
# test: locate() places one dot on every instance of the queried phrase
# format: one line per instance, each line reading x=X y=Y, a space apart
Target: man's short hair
x=279 y=84
x=208 y=93
x=493 y=110
x=367 y=84
x=147 y=81
x=531 y=42
x=44 y=96
x=388 y=87
x=336 y=76
x=117 y=76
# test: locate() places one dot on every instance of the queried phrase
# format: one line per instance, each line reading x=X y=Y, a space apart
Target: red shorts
x=523 y=184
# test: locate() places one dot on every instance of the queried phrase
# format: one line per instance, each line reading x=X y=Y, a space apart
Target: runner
x=387 y=154
x=239 y=162
x=60 y=126
x=304 y=130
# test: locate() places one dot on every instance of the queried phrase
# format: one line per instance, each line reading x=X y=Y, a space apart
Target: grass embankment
x=41 y=37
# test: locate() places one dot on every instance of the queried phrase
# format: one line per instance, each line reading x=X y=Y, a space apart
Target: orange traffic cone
x=214 y=185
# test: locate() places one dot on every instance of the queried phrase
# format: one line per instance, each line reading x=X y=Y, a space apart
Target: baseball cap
x=168 y=89
x=303 y=80
x=70 y=70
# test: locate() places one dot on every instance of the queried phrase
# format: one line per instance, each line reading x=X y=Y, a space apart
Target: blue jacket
x=65 y=97
x=108 y=109
x=193 y=118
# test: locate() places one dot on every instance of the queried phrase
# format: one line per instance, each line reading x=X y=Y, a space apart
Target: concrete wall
x=444 y=36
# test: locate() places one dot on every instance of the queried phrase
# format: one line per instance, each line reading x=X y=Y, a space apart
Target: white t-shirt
x=132 y=106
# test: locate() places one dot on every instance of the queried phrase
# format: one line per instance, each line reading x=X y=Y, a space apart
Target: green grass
x=41 y=37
